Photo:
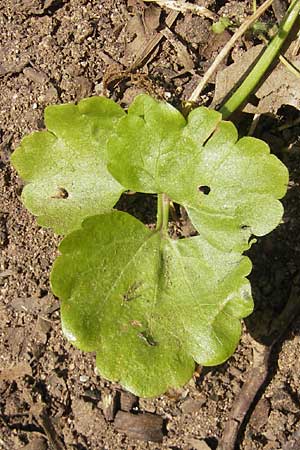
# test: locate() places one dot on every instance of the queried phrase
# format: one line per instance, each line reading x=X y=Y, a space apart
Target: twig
x=254 y=124
x=290 y=66
x=295 y=46
x=255 y=379
x=225 y=50
x=179 y=6
x=259 y=372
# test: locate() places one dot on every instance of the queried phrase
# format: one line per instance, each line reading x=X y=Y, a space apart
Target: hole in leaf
x=244 y=227
x=61 y=193
x=141 y=206
x=204 y=189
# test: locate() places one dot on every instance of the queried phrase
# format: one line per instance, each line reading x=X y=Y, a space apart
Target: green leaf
x=148 y=305
x=222 y=24
x=65 y=167
x=230 y=187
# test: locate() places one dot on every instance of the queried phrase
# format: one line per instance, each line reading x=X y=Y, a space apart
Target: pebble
x=84 y=30
x=35 y=75
x=147 y=405
x=37 y=443
x=84 y=378
x=191 y=405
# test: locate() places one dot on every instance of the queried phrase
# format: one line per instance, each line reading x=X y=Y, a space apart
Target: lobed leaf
x=229 y=187
x=148 y=305
x=65 y=167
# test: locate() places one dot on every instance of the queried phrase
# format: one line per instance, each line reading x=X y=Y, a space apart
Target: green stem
x=159 y=214
x=163 y=204
x=165 y=207
x=263 y=64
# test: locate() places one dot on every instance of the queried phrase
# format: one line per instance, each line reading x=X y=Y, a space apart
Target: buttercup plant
x=150 y=306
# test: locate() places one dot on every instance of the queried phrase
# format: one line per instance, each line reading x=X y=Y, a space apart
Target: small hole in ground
x=204 y=189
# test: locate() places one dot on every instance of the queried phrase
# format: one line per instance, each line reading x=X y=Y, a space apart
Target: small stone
x=87 y=418
x=83 y=87
x=36 y=76
x=99 y=90
x=190 y=405
x=44 y=325
x=93 y=394
x=51 y=94
x=177 y=394
x=84 y=30
x=270 y=435
x=272 y=445
x=38 y=443
x=146 y=404
x=83 y=378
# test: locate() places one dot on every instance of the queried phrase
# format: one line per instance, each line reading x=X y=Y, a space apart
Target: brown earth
x=56 y=51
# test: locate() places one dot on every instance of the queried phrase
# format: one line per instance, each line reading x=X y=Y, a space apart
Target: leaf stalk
x=163 y=205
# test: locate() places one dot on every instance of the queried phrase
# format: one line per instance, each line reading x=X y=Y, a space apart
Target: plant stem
x=165 y=207
x=163 y=204
x=159 y=214
x=263 y=64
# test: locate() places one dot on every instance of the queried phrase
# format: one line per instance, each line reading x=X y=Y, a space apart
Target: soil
x=51 y=397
